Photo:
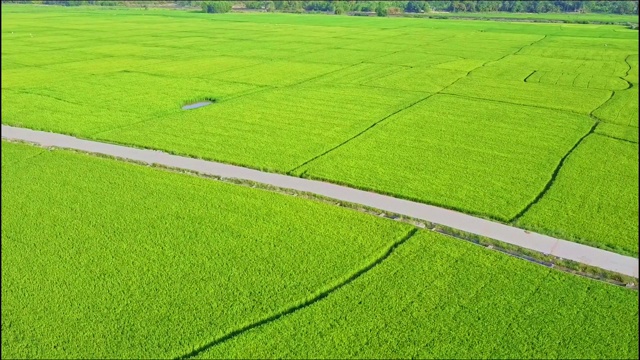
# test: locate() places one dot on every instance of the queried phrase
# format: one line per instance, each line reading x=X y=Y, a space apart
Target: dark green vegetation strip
x=105 y=259
x=436 y=297
x=548 y=17
x=505 y=102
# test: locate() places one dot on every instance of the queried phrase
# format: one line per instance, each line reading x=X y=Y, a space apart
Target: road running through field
x=529 y=240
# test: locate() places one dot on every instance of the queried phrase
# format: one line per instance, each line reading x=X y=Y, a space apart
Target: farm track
x=528 y=240
x=315 y=298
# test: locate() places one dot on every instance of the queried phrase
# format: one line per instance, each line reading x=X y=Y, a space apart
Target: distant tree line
x=216 y=6
x=613 y=7
x=382 y=8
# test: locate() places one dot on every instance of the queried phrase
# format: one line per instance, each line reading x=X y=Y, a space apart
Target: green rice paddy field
x=475 y=116
x=107 y=259
x=529 y=124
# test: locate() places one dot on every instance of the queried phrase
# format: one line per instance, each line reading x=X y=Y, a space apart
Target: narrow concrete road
x=561 y=248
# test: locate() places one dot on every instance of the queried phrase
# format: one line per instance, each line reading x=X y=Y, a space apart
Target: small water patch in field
x=198 y=104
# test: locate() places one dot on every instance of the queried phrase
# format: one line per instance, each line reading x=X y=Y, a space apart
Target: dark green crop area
x=107 y=259
x=476 y=116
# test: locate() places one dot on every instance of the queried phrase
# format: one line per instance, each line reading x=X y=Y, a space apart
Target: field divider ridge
x=290 y=172
x=626 y=60
x=554 y=174
x=360 y=133
x=441 y=91
x=309 y=300
x=616 y=138
x=533 y=43
x=544 y=244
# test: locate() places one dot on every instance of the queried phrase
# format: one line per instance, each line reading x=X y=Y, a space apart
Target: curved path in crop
x=545 y=244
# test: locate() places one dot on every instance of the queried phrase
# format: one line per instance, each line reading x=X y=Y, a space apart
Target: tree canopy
x=380 y=7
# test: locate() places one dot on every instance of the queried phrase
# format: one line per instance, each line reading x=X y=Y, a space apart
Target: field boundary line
x=615 y=138
x=531 y=44
x=459 y=221
x=441 y=91
x=290 y=172
x=161 y=116
x=527 y=105
x=528 y=76
x=26 y=158
x=626 y=60
x=323 y=74
x=554 y=174
x=22 y=91
x=307 y=302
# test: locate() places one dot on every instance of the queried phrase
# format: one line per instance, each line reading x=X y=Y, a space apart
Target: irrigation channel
x=529 y=240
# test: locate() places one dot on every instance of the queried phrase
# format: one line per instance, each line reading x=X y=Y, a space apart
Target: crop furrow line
x=533 y=43
x=160 y=116
x=325 y=74
x=45 y=95
x=519 y=104
x=146 y=67
x=613 y=93
x=250 y=92
x=290 y=172
x=319 y=296
x=616 y=138
x=383 y=55
x=528 y=76
x=390 y=88
x=25 y=159
x=155 y=117
x=626 y=60
x=629 y=84
x=553 y=175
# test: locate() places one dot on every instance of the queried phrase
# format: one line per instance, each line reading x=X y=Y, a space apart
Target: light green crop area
x=622 y=109
x=469 y=115
x=603 y=208
x=629 y=133
x=438 y=298
x=104 y=259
